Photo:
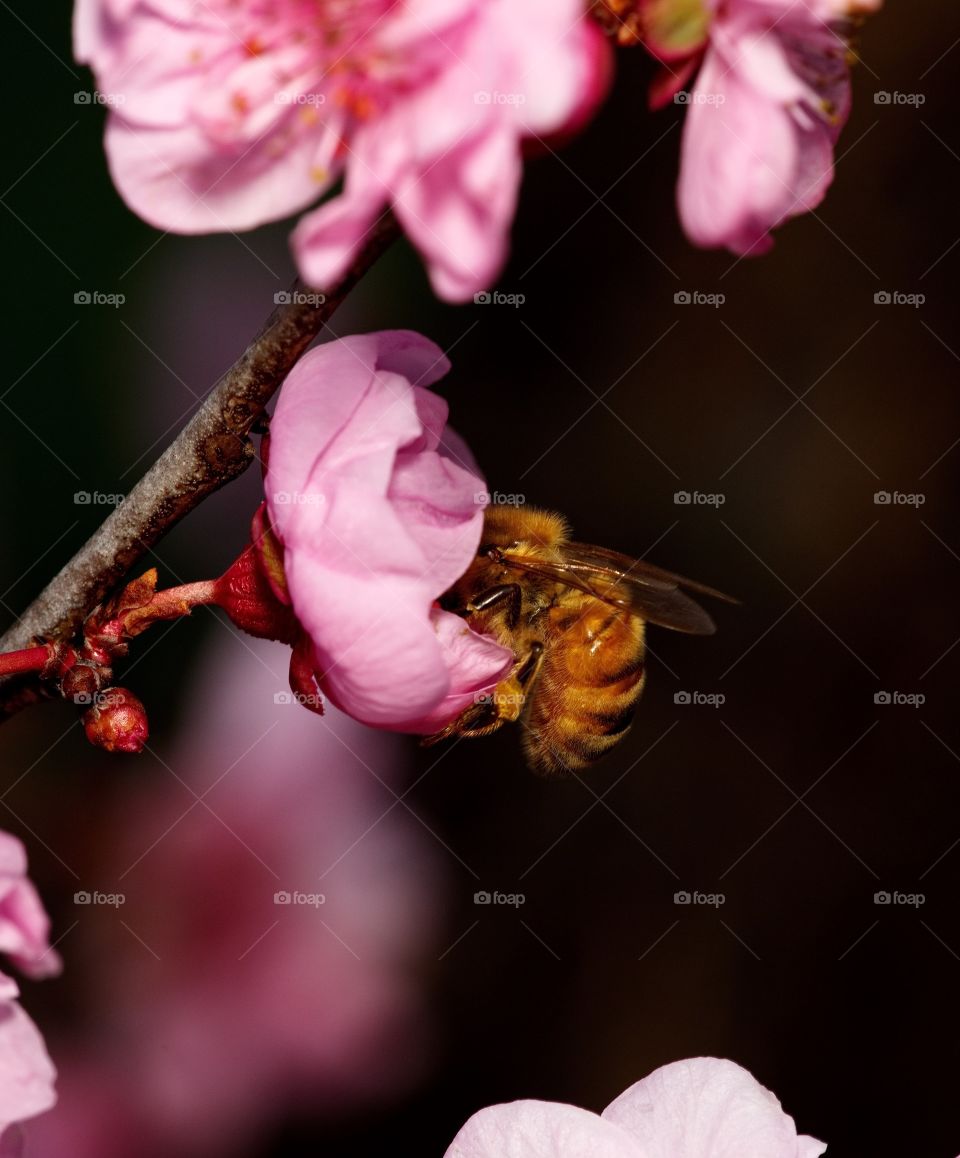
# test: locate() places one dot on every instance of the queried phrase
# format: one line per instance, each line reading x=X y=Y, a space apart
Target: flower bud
x=117 y=721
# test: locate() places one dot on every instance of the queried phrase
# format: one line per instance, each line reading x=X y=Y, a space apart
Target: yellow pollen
x=319 y=174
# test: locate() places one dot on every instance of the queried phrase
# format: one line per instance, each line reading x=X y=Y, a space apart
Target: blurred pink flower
x=701 y=1108
x=266 y=960
x=24 y=925
x=232 y=113
x=26 y=1073
x=379 y=507
x=769 y=102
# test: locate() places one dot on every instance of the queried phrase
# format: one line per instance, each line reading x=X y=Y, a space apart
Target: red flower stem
x=30 y=659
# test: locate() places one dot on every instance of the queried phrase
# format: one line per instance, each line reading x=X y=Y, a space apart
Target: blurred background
x=198 y=1017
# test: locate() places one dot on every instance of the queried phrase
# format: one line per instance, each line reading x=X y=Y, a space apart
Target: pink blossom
x=26 y=1072
x=764 y=115
x=211 y=1011
x=24 y=925
x=701 y=1108
x=379 y=508
x=232 y=113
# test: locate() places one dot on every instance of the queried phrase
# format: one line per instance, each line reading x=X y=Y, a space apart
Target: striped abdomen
x=586 y=693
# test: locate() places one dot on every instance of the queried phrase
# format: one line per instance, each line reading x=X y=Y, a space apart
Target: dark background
x=800 y=797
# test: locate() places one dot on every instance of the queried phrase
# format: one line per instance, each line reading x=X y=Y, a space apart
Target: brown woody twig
x=212 y=449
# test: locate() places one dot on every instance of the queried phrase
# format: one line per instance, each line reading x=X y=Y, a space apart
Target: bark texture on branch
x=211 y=450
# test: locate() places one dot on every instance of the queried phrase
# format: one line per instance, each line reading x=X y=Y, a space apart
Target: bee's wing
x=631 y=584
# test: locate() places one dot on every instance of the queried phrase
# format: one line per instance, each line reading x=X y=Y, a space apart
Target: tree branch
x=211 y=450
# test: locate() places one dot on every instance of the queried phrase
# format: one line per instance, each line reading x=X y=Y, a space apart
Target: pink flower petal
x=379 y=510
x=26 y=1073
x=738 y=161
x=476 y=664
x=458 y=209
x=229 y=114
x=532 y=1129
x=707 y=1108
x=771 y=98
x=24 y=924
x=172 y=179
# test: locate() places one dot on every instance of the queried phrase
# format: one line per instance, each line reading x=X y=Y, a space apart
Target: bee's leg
x=511 y=593
x=527 y=671
x=480 y=719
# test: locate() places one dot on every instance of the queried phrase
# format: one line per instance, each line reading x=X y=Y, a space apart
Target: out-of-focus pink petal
x=174 y=181
x=738 y=161
x=458 y=211
x=532 y=1129
x=230 y=113
x=27 y=1074
x=559 y=60
x=326 y=240
x=24 y=924
x=770 y=101
x=707 y=1108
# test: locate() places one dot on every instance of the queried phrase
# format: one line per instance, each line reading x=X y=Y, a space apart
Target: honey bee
x=574 y=615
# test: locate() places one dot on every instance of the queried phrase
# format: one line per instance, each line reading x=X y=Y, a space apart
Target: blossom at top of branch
x=770 y=98
x=700 y=1108
x=226 y=114
x=378 y=507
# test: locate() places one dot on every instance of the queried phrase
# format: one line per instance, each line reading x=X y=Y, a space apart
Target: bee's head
x=522 y=529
